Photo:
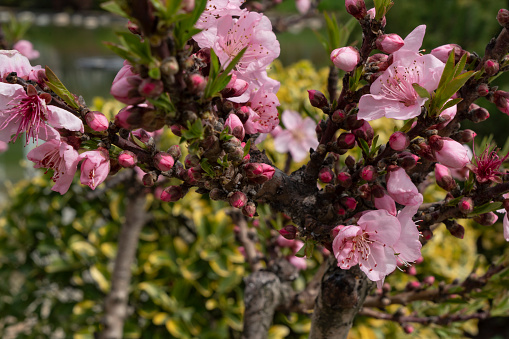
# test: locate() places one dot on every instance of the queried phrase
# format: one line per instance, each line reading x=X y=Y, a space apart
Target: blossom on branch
x=95 y=167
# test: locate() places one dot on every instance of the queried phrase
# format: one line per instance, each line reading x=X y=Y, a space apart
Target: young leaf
x=486 y=208
x=58 y=87
x=423 y=92
x=247 y=147
x=113 y=7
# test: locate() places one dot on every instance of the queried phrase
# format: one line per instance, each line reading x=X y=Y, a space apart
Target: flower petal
x=60 y=118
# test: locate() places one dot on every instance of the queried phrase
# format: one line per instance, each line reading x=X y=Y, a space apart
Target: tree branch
x=118 y=297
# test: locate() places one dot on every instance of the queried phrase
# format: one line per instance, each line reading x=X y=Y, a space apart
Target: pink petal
x=381 y=262
x=382 y=227
x=506 y=227
x=291 y=119
x=372 y=107
x=60 y=118
x=413 y=40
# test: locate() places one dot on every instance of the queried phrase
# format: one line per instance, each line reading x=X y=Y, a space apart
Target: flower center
x=359 y=249
x=53 y=160
x=399 y=87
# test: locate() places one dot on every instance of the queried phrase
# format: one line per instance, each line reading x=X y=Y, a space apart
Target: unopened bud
x=352 y=122
x=356 y=8
x=389 y=43
x=197 y=83
x=413 y=285
x=407 y=160
x=237 y=199
x=172 y=193
x=486 y=219
x=491 y=67
x=127 y=159
x=409 y=329
x=399 y=141
x=217 y=194
x=477 y=114
x=151 y=88
x=455 y=229
x=163 y=161
x=249 y=209
x=97 y=121
x=191 y=160
x=235 y=125
x=176 y=129
x=503 y=17
x=483 y=90
x=133 y=28
x=169 y=66
x=346 y=140
x=325 y=175
x=345 y=179
x=318 y=99
x=174 y=151
x=338 y=116
x=429 y=280
x=368 y=173
x=378 y=62
x=288 y=232
x=345 y=58
x=365 y=131
x=466 y=205
x=349 y=203
x=443 y=177
x=465 y=136
x=501 y=100
x=149 y=179
x=259 y=172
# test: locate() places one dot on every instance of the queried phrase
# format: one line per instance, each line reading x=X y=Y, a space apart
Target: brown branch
x=118 y=297
x=437 y=320
x=341 y=296
x=249 y=247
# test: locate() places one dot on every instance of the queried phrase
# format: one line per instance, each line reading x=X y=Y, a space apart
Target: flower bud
x=197 y=83
x=483 y=90
x=172 y=193
x=455 y=229
x=125 y=86
x=177 y=130
x=378 y=62
x=349 y=203
x=486 y=219
x=97 y=121
x=237 y=199
x=191 y=160
x=501 y=100
x=346 y=140
x=217 y=194
x=317 y=99
x=449 y=152
x=443 y=177
x=174 y=151
x=129 y=117
x=338 y=116
x=399 y=141
x=409 y=329
x=169 y=66
x=163 y=161
x=368 y=173
x=249 y=209
x=442 y=52
x=235 y=125
x=466 y=205
x=477 y=114
x=26 y=48
x=350 y=161
x=149 y=179
x=389 y=43
x=259 y=172
x=372 y=15
x=407 y=160
x=127 y=159
x=427 y=234
x=503 y=17
x=345 y=58
x=288 y=232
x=413 y=285
x=236 y=87
x=325 y=175
x=356 y=8
x=491 y=67
x=429 y=280
x=345 y=179
x=411 y=270
x=151 y=88
x=365 y=131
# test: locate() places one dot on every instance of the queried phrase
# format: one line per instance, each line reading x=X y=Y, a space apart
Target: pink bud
x=325 y=175
x=442 y=52
x=288 y=232
x=407 y=160
x=429 y=280
x=346 y=140
x=191 y=160
x=97 y=121
x=197 y=82
x=163 y=161
x=503 y=17
x=452 y=154
x=345 y=58
x=175 y=152
x=365 y=131
x=151 y=88
x=125 y=86
x=443 y=177
x=187 y=5
x=249 y=209
x=389 y=43
x=501 y=100
x=399 y=141
x=466 y=205
x=411 y=270
x=259 y=172
x=491 y=67
x=176 y=129
x=133 y=28
x=237 y=199
x=172 y=193
x=456 y=229
x=368 y=173
x=338 y=116
x=345 y=179
x=379 y=60
x=298 y=262
x=317 y=99
x=486 y=219
x=26 y=48
x=236 y=87
x=3 y=146
x=413 y=285
x=409 y=329
x=349 y=203
x=149 y=179
x=127 y=159
x=483 y=90
x=356 y=8
x=236 y=126
x=283 y=242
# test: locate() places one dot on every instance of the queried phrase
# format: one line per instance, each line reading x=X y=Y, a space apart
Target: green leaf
x=486 y=208
x=217 y=83
x=120 y=51
x=58 y=87
x=154 y=73
x=207 y=168
x=113 y=7
x=364 y=146
x=448 y=72
x=332 y=31
x=455 y=201
x=141 y=49
x=247 y=147
x=423 y=92
x=306 y=251
x=194 y=131
x=450 y=103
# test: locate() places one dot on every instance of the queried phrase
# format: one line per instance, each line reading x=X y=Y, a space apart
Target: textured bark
x=261 y=297
x=118 y=297
x=341 y=296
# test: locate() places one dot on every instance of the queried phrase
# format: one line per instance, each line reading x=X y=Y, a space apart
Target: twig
x=249 y=246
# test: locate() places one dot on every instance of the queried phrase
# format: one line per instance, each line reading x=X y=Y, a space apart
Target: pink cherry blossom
x=378 y=242
x=452 y=154
x=298 y=137
x=14 y=61
x=386 y=203
x=61 y=158
x=125 y=86
x=262 y=111
x=26 y=48
x=345 y=58
x=401 y=188
x=94 y=168
x=28 y=112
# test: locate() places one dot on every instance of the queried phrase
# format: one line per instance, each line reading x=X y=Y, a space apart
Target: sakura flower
x=262 y=112
x=26 y=48
x=95 y=167
x=14 y=61
x=125 y=86
x=487 y=166
x=61 y=158
x=303 y=6
x=449 y=152
x=28 y=112
x=298 y=137
x=378 y=242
